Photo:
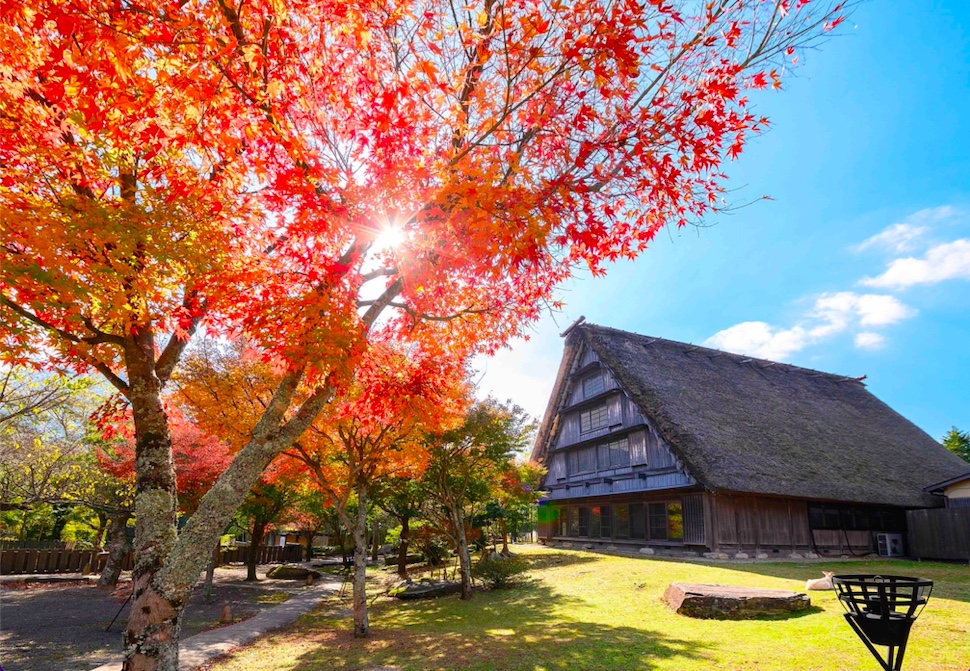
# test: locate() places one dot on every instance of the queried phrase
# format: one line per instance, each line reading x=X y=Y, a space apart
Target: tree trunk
x=168 y=563
x=117 y=548
x=464 y=558
x=376 y=548
x=402 y=553
x=361 y=625
x=310 y=535
x=151 y=637
x=210 y=573
x=505 y=537
x=342 y=537
x=99 y=532
x=253 y=555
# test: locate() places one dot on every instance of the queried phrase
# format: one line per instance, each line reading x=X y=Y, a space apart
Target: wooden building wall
x=652 y=465
x=741 y=523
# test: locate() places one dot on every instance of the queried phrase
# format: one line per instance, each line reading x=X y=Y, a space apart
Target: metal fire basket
x=882 y=609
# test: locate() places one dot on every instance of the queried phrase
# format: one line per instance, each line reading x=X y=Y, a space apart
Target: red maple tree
x=185 y=164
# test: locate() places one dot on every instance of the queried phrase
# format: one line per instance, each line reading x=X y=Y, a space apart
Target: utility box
x=890 y=545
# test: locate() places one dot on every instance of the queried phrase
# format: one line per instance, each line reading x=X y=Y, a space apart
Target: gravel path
x=57 y=627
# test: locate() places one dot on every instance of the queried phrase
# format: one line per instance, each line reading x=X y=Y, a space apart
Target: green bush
x=497 y=571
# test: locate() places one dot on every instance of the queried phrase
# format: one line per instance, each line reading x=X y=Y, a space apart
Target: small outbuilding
x=653 y=443
x=955 y=491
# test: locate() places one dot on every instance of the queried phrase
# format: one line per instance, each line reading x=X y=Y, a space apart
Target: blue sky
x=860 y=265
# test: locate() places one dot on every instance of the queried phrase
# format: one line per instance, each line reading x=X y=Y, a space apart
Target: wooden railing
x=21 y=562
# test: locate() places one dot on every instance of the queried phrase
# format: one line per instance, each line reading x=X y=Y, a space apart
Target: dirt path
x=57 y=627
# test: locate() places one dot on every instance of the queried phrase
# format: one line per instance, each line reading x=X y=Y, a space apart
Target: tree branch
x=170 y=356
x=377 y=306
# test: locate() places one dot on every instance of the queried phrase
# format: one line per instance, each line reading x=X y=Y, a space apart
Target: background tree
x=372 y=434
x=518 y=492
x=401 y=497
x=267 y=504
x=309 y=515
x=958 y=442
x=233 y=164
x=465 y=464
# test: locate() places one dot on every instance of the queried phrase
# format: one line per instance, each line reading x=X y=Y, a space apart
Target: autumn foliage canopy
x=322 y=177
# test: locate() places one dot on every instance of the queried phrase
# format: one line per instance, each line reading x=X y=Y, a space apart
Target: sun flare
x=390 y=236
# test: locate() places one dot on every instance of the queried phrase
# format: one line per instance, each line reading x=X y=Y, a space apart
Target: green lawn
x=584 y=611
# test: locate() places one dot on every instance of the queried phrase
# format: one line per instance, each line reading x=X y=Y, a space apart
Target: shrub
x=497 y=571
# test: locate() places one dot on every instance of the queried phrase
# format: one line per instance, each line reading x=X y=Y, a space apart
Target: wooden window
x=563 y=529
x=675 y=521
x=657 y=519
x=593 y=385
x=583 y=526
x=593 y=419
x=621 y=521
x=573 y=522
x=606 y=529
x=666 y=521
x=619 y=453
x=594 y=522
x=582 y=460
x=638 y=523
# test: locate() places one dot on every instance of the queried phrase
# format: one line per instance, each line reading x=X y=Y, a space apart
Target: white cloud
x=840 y=308
x=830 y=315
x=947 y=261
x=897 y=238
x=869 y=340
x=904 y=236
x=760 y=339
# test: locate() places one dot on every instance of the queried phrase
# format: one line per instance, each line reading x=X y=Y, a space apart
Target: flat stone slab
x=728 y=602
x=290 y=572
x=424 y=589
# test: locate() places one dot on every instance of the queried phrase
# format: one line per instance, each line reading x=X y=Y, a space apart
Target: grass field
x=583 y=611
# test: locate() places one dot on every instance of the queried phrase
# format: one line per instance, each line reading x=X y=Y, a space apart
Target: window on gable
x=614 y=454
x=593 y=419
x=593 y=386
x=582 y=460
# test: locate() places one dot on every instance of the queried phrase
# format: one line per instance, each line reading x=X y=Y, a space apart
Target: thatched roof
x=750 y=425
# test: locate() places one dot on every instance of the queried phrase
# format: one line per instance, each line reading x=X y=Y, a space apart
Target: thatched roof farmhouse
x=658 y=443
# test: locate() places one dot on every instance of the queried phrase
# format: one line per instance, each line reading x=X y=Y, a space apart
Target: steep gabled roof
x=750 y=425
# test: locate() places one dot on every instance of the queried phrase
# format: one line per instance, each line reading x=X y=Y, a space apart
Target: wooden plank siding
x=694 y=523
x=753 y=523
x=942 y=533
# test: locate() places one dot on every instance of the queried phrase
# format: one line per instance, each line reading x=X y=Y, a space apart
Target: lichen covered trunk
x=464 y=557
x=361 y=625
x=117 y=548
x=151 y=637
x=210 y=572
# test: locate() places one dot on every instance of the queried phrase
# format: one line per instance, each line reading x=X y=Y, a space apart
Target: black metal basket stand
x=882 y=609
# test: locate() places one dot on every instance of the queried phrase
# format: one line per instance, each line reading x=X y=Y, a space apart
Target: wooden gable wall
x=651 y=466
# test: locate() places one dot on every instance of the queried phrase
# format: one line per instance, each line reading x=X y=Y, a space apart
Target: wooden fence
x=35 y=545
x=14 y=562
x=268 y=554
x=19 y=562
x=939 y=533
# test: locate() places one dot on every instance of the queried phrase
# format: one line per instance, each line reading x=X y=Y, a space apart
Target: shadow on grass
x=520 y=629
x=950 y=581
x=557 y=559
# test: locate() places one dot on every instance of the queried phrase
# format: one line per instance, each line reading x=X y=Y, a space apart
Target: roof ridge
x=740 y=358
